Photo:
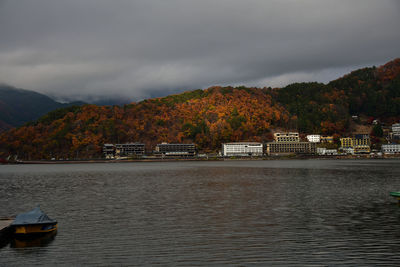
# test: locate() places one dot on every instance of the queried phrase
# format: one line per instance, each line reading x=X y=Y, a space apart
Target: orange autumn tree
x=205 y=117
x=212 y=116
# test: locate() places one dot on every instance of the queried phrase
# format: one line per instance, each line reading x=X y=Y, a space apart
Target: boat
x=33 y=223
x=396 y=195
x=42 y=240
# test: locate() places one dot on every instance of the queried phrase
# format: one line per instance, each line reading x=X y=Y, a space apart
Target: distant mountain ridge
x=213 y=116
x=19 y=106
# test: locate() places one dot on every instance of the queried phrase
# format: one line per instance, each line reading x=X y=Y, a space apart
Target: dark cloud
x=136 y=49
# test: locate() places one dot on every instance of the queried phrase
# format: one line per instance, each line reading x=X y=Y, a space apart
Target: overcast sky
x=138 y=49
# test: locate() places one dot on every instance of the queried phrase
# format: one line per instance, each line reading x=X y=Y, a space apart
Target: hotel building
x=176 y=150
x=242 y=149
x=289 y=143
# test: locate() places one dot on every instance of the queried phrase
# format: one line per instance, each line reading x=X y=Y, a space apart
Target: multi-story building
x=396 y=128
x=289 y=143
x=129 y=149
x=109 y=151
x=326 y=152
x=176 y=150
x=314 y=138
x=291 y=148
x=362 y=149
x=391 y=149
x=286 y=137
x=331 y=152
x=395 y=134
x=360 y=143
x=362 y=140
x=242 y=149
x=346 y=142
x=348 y=150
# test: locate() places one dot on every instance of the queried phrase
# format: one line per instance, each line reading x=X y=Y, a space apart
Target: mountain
x=212 y=116
x=18 y=106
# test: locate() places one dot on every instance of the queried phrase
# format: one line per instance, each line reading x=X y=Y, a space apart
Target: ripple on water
x=209 y=213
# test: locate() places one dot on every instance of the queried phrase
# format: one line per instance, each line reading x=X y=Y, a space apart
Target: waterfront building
x=286 y=137
x=242 y=149
x=395 y=134
x=326 y=139
x=176 y=150
x=396 y=128
x=346 y=142
x=321 y=150
x=391 y=149
x=314 y=138
x=331 y=152
x=291 y=148
x=362 y=149
x=129 y=149
x=358 y=144
x=362 y=143
x=348 y=150
x=109 y=151
x=362 y=140
x=326 y=152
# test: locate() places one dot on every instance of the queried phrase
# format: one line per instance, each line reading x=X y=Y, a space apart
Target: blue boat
x=34 y=222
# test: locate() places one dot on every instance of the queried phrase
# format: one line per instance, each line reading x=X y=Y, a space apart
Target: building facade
x=360 y=144
x=314 y=138
x=348 y=150
x=123 y=150
x=346 y=142
x=108 y=151
x=396 y=128
x=391 y=149
x=291 y=148
x=395 y=134
x=286 y=137
x=176 y=150
x=129 y=149
x=243 y=149
x=362 y=140
x=362 y=149
x=326 y=152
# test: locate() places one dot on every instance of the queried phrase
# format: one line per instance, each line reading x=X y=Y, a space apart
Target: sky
x=94 y=49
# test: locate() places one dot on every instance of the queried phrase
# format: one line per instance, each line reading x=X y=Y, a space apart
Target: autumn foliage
x=207 y=118
x=210 y=117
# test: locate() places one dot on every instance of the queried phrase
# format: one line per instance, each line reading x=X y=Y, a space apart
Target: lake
x=236 y=213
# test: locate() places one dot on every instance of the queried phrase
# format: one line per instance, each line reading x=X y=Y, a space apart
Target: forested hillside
x=18 y=106
x=212 y=116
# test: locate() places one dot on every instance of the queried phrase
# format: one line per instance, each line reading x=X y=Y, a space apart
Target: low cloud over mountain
x=136 y=49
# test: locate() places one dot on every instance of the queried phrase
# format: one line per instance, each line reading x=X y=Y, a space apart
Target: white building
x=314 y=138
x=326 y=152
x=391 y=149
x=242 y=149
x=348 y=150
x=109 y=151
x=321 y=150
x=395 y=134
x=396 y=128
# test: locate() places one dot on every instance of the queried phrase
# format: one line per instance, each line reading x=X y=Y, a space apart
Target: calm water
x=236 y=213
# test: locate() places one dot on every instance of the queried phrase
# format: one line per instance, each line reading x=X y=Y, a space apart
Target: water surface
x=237 y=213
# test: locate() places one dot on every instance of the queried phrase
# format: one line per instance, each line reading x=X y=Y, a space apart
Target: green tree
x=377 y=130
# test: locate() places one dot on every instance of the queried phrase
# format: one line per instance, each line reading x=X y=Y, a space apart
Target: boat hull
x=395 y=194
x=35 y=229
